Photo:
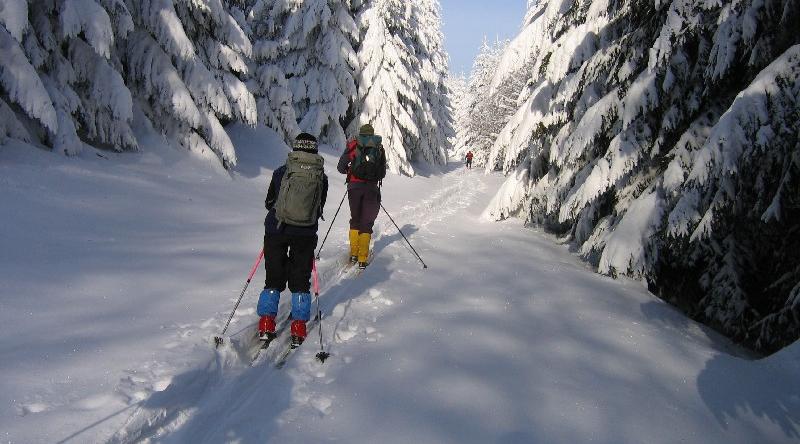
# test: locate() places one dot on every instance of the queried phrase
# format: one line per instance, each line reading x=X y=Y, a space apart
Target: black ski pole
x=404 y=236
x=322 y=355
x=331 y=225
x=218 y=339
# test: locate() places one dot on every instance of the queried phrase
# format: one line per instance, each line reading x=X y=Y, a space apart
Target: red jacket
x=344 y=163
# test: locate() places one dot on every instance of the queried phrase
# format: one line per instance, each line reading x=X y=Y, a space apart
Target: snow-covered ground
x=115 y=275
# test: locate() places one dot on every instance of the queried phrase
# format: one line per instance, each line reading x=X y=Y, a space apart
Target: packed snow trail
x=169 y=410
x=506 y=338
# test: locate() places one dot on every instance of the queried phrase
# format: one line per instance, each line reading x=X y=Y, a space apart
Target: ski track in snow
x=352 y=320
x=596 y=337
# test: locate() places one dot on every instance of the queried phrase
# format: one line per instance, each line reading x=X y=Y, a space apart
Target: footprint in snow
x=246 y=312
x=161 y=385
x=378 y=298
x=34 y=407
x=208 y=323
x=347 y=334
x=322 y=404
x=132 y=388
x=95 y=402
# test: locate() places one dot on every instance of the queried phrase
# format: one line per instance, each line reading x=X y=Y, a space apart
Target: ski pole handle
x=315 y=276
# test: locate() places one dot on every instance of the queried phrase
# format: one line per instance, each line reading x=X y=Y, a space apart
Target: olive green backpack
x=300 y=195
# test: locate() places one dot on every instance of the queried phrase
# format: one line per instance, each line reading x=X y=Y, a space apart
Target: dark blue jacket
x=271 y=222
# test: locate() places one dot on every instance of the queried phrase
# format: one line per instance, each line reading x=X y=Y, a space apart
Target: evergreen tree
x=461 y=99
x=435 y=112
x=266 y=19
x=510 y=87
x=483 y=121
x=77 y=71
x=320 y=63
x=60 y=67
x=663 y=139
x=186 y=61
x=306 y=65
x=401 y=86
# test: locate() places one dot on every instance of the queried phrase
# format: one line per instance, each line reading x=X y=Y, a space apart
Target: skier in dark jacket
x=469 y=159
x=364 y=197
x=289 y=252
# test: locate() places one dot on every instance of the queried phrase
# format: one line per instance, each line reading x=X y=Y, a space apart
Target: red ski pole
x=218 y=339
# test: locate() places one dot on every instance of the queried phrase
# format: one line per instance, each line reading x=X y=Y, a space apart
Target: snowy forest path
x=507 y=337
x=157 y=416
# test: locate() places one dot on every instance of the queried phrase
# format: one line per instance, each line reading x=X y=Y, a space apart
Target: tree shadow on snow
x=737 y=390
x=257 y=149
x=251 y=164
x=663 y=313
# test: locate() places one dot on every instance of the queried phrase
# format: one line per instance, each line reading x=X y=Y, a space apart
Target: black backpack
x=370 y=160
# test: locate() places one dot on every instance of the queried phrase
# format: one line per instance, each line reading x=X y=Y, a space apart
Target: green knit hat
x=366 y=130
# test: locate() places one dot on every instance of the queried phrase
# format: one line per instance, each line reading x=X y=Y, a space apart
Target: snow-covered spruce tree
x=61 y=70
x=320 y=64
x=185 y=63
x=266 y=19
x=663 y=138
x=323 y=67
x=499 y=80
x=742 y=197
x=481 y=123
x=435 y=113
x=461 y=99
x=509 y=88
x=503 y=100
x=401 y=88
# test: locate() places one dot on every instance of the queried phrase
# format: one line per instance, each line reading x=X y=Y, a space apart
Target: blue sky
x=466 y=22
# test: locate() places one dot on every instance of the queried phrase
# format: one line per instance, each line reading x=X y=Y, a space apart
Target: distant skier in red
x=469 y=159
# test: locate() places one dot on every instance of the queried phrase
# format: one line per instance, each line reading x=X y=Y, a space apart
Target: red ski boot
x=266 y=328
x=298 y=333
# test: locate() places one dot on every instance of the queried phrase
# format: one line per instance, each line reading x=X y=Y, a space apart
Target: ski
x=264 y=345
x=357 y=269
x=284 y=356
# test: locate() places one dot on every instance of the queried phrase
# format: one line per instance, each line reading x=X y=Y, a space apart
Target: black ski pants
x=365 y=203
x=288 y=258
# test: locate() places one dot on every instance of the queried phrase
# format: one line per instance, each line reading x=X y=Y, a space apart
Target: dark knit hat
x=305 y=142
x=366 y=130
